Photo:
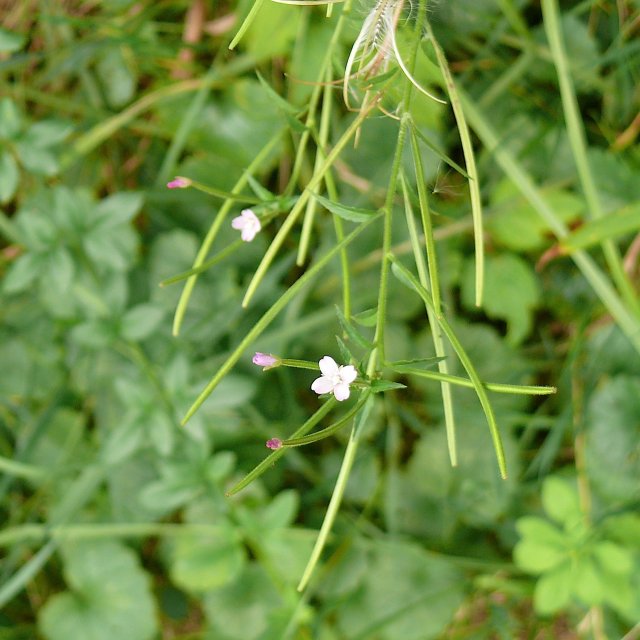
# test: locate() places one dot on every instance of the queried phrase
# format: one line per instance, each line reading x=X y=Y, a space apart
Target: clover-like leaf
x=110 y=596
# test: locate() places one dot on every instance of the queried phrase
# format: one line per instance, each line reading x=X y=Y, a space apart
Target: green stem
x=20 y=469
x=524 y=389
x=207 y=264
x=470 y=161
x=330 y=430
x=381 y=315
x=271 y=459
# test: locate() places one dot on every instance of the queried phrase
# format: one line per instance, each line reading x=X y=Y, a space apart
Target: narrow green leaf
x=378 y=386
x=353 y=214
x=618 y=223
x=352 y=333
x=366 y=318
x=280 y=102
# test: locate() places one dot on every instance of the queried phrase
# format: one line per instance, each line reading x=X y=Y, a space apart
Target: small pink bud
x=179 y=183
x=274 y=443
x=265 y=360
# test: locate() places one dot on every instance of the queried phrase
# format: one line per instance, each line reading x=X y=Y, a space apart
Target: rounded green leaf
x=141 y=321
x=560 y=500
x=11 y=41
x=42 y=162
x=553 y=590
x=47 y=133
x=587 y=581
x=202 y=563
x=23 y=272
x=110 y=596
x=614 y=558
x=243 y=609
x=535 y=557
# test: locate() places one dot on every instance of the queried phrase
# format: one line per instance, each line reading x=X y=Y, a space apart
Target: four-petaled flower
x=335 y=379
x=265 y=360
x=179 y=183
x=248 y=224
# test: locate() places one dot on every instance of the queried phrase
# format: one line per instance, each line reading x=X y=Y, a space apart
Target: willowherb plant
x=374 y=51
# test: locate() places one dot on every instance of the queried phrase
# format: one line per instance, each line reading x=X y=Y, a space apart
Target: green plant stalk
x=26 y=573
x=187 y=122
x=315 y=97
x=299 y=364
x=77 y=496
x=524 y=389
x=345 y=268
x=298 y=208
x=246 y=23
x=323 y=138
x=273 y=457
x=410 y=280
x=592 y=273
x=20 y=469
x=71 y=532
x=207 y=264
x=381 y=314
x=577 y=140
x=338 y=491
x=425 y=216
x=270 y=314
x=470 y=161
x=330 y=430
x=215 y=228
x=377 y=354
x=445 y=388
x=225 y=195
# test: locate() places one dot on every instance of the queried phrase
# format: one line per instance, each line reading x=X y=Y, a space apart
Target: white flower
x=334 y=379
x=249 y=225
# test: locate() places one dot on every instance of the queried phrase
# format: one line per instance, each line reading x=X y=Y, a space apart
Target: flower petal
x=248 y=233
x=341 y=391
x=238 y=223
x=348 y=374
x=328 y=366
x=322 y=385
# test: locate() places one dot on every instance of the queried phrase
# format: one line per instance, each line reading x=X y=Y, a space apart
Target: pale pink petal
x=249 y=216
x=322 y=385
x=248 y=233
x=348 y=374
x=238 y=223
x=328 y=366
x=341 y=391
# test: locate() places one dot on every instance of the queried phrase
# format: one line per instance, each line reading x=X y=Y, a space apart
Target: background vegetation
x=115 y=516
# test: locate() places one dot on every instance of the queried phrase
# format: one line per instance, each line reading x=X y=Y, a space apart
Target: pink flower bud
x=265 y=360
x=179 y=183
x=274 y=443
